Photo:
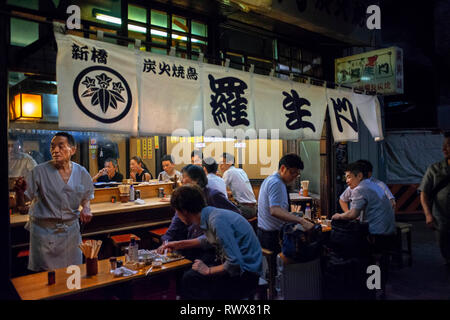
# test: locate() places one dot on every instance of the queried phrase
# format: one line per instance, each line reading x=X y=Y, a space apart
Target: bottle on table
x=308 y=211
x=133 y=250
x=131 y=193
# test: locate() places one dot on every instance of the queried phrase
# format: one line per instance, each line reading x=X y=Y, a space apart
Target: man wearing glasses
x=273 y=203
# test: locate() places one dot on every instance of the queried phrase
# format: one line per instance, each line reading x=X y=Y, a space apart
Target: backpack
x=299 y=245
x=348 y=238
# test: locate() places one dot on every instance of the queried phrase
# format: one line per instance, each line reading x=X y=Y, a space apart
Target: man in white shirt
x=237 y=181
x=20 y=163
x=345 y=197
x=169 y=172
x=214 y=181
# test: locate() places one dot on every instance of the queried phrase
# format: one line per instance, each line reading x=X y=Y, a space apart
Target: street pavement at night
x=428 y=278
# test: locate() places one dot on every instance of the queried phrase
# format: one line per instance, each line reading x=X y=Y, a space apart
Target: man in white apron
x=58 y=188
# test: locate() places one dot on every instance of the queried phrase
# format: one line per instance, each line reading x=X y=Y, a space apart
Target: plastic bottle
x=131 y=193
x=308 y=211
x=133 y=250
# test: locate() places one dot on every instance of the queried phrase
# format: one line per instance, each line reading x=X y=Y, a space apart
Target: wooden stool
x=271 y=262
x=23 y=253
x=156 y=234
x=403 y=228
x=121 y=241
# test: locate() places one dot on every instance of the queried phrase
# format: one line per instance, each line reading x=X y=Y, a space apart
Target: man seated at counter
x=237 y=181
x=178 y=230
x=345 y=197
x=139 y=171
x=274 y=203
x=197 y=157
x=214 y=181
x=239 y=265
x=110 y=173
x=169 y=172
x=58 y=188
x=369 y=197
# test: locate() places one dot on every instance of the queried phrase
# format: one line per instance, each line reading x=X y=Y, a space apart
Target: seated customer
x=139 y=171
x=370 y=197
x=169 y=172
x=274 y=204
x=109 y=173
x=345 y=197
x=197 y=157
x=193 y=174
x=214 y=181
x=240 y=266
x=237 y=181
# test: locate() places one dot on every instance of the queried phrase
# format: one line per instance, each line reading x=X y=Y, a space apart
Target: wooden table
x=35 y=287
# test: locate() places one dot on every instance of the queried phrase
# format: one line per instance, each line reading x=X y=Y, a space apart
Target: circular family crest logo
x=102 y=94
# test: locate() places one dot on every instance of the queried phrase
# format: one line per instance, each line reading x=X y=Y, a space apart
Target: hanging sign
x=97 y=87
x=343 y=115
x=170 y=94
x=227 y=102
x=378 y=70
x=100 y=84
x=298 y=110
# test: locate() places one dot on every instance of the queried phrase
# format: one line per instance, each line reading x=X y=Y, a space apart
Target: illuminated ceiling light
x=132 y=27
x=111 y=19
x=26 y=106
x=158 y=33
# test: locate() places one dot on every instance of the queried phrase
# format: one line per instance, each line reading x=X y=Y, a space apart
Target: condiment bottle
x=308 y=211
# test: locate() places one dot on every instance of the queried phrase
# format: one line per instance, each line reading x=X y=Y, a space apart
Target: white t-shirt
x=237 y=180
x=20 y=165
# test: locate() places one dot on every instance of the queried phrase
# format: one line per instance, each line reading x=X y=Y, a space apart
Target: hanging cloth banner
x=370 y=112
x=97 y=86
x=170 y=94
x=296 y=109
x=227 y=102
x=343 y=115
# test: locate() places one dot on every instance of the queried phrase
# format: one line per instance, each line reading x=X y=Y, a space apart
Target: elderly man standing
x=237 y=181
x=435 y=199
x=57 y=188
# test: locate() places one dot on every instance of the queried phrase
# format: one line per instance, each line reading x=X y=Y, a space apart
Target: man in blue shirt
x=239 y=252
x=273 y=203
x=370 y=197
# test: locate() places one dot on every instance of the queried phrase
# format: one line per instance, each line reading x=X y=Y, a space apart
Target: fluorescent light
x=364 y=78
x=158 y=33
x=132 y=27
x=178 y=37
x=104 y=17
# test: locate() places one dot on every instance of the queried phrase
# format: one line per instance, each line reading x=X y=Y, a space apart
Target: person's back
x=378 y=211
x=216 y=182
x=272 y=193
x=237 y=180
x=233 y=234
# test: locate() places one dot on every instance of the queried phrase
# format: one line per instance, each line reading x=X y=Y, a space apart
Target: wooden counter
x=103 y=208
x=35 y=287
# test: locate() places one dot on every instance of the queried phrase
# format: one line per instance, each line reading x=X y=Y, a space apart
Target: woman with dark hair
x=139 y=171
x=193 y=174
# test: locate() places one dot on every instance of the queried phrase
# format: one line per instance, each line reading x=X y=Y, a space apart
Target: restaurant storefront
x=191 y=45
